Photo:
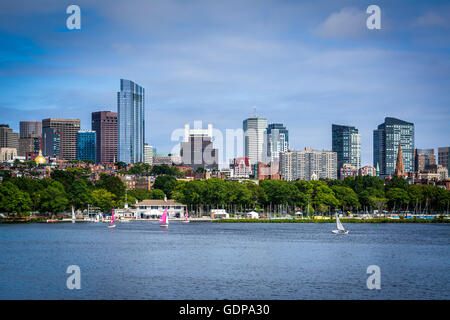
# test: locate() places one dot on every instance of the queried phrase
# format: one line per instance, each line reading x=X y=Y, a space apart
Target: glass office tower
x=86 y=145
x=385 y=145
x=346 y=142
x=277 y=140
x=131 y=112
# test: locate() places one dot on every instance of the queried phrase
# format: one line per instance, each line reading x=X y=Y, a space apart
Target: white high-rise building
x=277 y=141
x=255 y=139
x=148 y=154
x=197 y=131
x=308 y=165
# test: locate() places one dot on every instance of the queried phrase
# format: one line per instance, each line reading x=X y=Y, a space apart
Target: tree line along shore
x=19 y=196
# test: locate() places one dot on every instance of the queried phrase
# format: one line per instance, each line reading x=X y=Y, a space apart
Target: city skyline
x=225 y=159
x=265 y=143
x=304 y=65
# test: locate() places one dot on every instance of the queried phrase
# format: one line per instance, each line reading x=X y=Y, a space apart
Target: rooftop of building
x=155 y=202
x=394 y=121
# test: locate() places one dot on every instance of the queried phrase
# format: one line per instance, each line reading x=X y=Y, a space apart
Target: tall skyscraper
x=444 y=157
x=131 y=113
x=30 y=143
x=346 y=142
x=197 y=150
x=30 y=138
x=386 y=140
x=86 y=145
x=308 y=165
x=28 y=128
x=255 y=144
x=67 y=130
x=8 y=138
x=424 y=159
x=104 y=123
x=277 y=141
x=51 y=143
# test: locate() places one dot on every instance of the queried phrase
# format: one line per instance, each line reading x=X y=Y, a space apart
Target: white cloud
x=433 y=19
x=347 y=23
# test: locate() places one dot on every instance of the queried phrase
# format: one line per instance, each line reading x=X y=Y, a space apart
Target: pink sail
x=112 y=216
x=164 y=217
x=186 y=216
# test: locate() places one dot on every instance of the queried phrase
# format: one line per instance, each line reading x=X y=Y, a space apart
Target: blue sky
x=307 y=64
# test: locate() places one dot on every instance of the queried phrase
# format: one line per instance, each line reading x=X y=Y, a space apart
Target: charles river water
x=203 y=260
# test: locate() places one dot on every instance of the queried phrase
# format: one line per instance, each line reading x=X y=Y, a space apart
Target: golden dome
x=40 y=158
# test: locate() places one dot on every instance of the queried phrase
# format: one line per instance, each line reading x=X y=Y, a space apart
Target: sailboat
x=186 y=217
x=73 y=215
x=112 y=225
x=164 y=221
x=340 y=227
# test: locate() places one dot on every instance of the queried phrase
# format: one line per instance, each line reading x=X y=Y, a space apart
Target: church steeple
x=399 y=167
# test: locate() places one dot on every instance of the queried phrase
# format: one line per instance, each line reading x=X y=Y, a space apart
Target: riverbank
x=23 y=220
x=279 y=220
x=344 y=220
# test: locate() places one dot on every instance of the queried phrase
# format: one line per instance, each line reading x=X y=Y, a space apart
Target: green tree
x=121 y=165
x=347 y=197
x=190 y=193
x=361 y=183
x=103 y=199
x=214 y=192
x=164 y=169
x=397 y=198
x=238 y=195
x=137 y=169
x=12 y=200
x=53 y=198
x=80 y=195
x=321 y=196
x=156 y=194
x=368 y=197
x=65 y=177
x=200 y=170
x=397 y=182
x=165 y=183
x=379 y=203
x=112 y=184
x=280 y=192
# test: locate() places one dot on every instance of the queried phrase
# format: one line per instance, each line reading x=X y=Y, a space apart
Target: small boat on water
x=73 y=216
x=340 y=227
x=186 y=217
x=164 y=221
x=112 y=225
x=52 y=220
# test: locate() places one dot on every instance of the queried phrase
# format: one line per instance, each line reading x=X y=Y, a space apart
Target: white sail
x=339 y=224
x=73 y=214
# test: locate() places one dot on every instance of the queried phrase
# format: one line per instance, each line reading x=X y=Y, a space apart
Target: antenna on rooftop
x=254 y=112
